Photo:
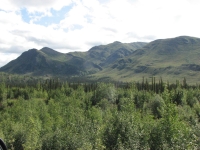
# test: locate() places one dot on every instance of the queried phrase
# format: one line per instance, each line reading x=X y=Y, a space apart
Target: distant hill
x=50 y=62
x=173 y=58
x=40 y=62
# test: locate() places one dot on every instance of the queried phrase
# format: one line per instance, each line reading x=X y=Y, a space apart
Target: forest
x=52 y=114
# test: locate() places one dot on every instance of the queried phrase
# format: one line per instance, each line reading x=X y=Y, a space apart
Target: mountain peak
x=46 y=49
x=172 y=43
x=33 y=49
x=187 y=40
x=49 y=51
x=116 y=42
x=30 y=52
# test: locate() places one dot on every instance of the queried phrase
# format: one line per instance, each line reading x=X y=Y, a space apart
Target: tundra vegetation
x=52 y=114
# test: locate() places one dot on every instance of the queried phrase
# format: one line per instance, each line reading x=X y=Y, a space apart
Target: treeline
x=52 y=114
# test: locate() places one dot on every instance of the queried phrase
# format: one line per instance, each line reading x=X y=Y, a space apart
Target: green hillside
x=41 y=62
x=50 y=62
x=171 y=59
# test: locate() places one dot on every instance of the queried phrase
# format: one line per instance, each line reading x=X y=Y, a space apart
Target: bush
x=104 y=91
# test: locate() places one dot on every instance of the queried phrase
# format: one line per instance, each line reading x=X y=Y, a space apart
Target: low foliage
x=57 y=115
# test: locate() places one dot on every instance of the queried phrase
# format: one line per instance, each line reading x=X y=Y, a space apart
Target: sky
x=78 y=25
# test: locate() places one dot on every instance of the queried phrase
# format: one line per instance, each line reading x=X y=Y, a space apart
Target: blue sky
x=45 y=20
x=77 y=25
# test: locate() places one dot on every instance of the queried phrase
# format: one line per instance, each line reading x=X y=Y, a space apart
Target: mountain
x=50 y=62
x=40 y=62
x=173 y=58
x=99 y=57
x=106 y=54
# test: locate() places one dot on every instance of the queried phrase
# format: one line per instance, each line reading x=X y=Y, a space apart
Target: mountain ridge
x=49 y=61
x=173 y=58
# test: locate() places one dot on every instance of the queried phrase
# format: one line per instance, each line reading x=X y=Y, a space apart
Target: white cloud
x=91 y=22
x=33 y=5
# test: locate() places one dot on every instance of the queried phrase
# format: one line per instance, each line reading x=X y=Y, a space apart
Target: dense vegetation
x=51 y=114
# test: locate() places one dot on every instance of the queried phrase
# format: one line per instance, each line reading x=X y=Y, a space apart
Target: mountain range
x=172 y=58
